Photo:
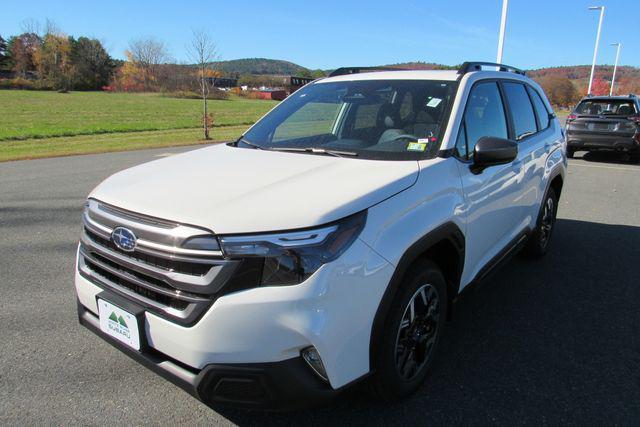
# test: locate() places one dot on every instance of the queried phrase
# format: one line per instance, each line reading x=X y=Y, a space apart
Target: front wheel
x=411 y=334
x=539 y=240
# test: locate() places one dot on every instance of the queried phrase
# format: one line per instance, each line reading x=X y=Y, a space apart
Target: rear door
x=535 y=140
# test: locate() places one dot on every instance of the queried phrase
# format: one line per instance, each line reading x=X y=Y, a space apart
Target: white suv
x=326 y=245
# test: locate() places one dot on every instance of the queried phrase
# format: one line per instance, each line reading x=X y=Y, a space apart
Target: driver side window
x=484 y=116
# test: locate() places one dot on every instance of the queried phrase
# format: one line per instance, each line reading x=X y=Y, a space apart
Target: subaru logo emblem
x=124 y=238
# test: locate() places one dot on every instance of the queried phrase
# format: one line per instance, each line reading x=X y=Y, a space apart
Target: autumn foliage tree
x=130 y=77
x=560 y=90
x=22 y=50
x=627 y=85
x=147 y=54
x=53 y=61
x=600 y=87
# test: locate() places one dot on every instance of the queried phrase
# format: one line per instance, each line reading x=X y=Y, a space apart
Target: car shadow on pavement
x=607 y=157
x=549 y=340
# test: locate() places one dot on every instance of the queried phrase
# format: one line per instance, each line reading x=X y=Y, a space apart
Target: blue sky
x=330 y=33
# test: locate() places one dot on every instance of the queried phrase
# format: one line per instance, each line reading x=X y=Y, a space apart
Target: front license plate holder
x=122 y=320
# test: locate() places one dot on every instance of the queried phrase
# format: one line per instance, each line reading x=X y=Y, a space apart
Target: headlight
x=291 y=257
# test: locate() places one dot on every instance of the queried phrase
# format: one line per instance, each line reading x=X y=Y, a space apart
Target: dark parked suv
x=605 y=123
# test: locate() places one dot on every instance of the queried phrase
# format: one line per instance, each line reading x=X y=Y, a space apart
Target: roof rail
x=468 y=67
x=355 y=70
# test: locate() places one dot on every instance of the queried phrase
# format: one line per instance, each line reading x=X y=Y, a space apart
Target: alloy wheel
x=417 y=333
x=546 y=224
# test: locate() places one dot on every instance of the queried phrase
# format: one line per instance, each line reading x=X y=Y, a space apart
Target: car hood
x=240 y=190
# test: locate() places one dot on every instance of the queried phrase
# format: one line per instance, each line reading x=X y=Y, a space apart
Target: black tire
x=538 y=243
x=570 y=153
x=635 y=157
x=393 y=379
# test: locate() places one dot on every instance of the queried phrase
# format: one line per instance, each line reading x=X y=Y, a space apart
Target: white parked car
x=327 y=245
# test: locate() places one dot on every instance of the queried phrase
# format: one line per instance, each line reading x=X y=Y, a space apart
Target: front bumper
x=332 y=311
x=284 y=385
x=587 y=141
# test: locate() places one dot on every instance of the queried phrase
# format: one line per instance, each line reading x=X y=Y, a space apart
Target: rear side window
x=484 y=116
x=541 y=109
x=524 y=120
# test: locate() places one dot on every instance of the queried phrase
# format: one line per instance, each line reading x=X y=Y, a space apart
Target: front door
x=492 y=209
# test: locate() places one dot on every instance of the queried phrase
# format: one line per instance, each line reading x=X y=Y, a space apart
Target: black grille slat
x=137 y=275
x=140 y=290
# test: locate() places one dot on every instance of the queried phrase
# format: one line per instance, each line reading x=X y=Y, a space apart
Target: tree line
x=50 y=59
x=53 y=60
x=565 y=86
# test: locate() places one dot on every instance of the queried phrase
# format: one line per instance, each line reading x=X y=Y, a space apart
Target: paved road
x=556 y=340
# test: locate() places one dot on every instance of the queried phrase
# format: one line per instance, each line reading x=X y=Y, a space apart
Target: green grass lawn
x=108 y=142
x=43 y=124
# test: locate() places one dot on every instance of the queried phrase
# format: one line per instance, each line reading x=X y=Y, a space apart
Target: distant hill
x=265 y=66
x=627 y=78
x=260 y=66
x=419 y=65
x=578 y=72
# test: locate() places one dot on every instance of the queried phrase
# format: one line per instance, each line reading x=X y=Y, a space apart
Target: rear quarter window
x=541 y=110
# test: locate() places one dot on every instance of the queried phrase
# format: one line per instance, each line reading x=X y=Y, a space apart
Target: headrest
x=625 y=110
x=387 y=117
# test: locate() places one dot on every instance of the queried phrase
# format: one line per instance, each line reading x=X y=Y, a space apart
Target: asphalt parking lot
x=549 y=341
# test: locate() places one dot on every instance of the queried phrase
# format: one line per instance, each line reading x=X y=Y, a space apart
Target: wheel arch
x=556 y=183
x=445 y=246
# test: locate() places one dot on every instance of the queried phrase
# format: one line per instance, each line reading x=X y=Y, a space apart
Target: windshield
x=376 y=119
x=598 y=107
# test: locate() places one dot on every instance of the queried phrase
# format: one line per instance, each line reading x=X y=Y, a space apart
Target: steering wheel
x=404 y=136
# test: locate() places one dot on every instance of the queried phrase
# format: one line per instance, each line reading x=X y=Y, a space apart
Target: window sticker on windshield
x=417 y=146
x=434 y=102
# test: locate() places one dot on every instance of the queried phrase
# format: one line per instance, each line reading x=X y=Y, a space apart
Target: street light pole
x=595 y=50
x=615 y=67
x=503 y=27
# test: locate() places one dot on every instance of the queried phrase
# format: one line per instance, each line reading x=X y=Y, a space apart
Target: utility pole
x=615 y=67
x=503 y=27
x=595 y=50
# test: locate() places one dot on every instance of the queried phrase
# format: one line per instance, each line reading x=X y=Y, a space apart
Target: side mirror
x=491 y=151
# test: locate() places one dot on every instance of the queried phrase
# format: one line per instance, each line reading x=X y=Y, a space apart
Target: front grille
x=169 y=265
x=144 y=292
x=172 y=282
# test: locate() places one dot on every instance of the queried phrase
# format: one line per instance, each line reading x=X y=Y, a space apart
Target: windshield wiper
x=250 y=144
x=314 y=150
